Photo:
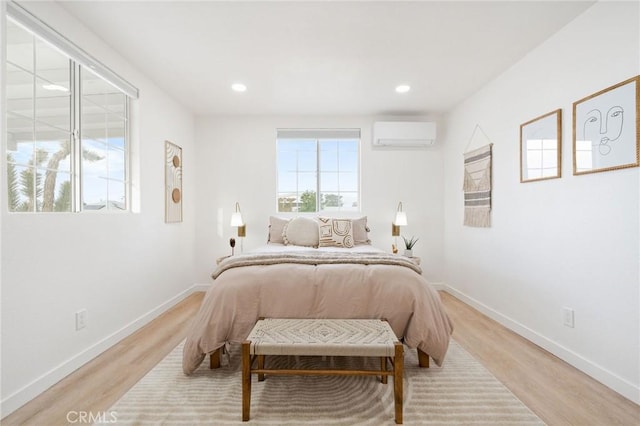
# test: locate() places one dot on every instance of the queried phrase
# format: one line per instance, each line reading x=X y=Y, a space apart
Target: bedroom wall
x=570 y=242
x=237 y=162
x=124 y=269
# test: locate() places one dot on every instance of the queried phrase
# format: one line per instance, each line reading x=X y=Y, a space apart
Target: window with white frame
x=103 y=130
x=318 y=170
x=67 y=121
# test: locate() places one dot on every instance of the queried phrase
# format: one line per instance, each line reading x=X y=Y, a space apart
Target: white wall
x=237 y=162
x=569 y=242
x=123 y=268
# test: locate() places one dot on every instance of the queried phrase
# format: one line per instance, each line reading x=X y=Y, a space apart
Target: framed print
x=541 y=147
x=173 y=182
x=606 y=129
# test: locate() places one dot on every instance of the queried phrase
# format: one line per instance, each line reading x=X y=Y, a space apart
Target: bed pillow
x=360 y=231
x=301 y=231
x=335 y=232
x=276 y=229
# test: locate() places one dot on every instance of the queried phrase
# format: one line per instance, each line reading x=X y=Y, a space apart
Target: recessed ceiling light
x=403 y=88
x=238 y=87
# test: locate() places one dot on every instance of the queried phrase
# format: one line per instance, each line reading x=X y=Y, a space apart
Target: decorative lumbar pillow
x=360 y=231
x=276 y=229
x=301 y=231
x=335 y=232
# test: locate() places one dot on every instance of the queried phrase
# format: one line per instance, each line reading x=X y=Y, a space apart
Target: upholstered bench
x=322 y=337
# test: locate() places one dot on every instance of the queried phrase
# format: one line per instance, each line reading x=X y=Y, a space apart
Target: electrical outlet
x=569 y=318
x=81 y=319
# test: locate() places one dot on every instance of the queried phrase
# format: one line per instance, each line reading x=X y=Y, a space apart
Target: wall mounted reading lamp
x=401 y=220
x=236 y=221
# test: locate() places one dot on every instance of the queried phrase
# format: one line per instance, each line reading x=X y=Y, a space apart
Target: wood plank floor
x=558 y=393
x=97 y=385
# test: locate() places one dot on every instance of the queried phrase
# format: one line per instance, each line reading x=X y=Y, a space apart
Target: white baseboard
x=609 y=379
x=439 y=286
x=53 y=376
x=200 y=287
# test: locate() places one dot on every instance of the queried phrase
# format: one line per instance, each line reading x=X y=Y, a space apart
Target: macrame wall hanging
x=477 y=183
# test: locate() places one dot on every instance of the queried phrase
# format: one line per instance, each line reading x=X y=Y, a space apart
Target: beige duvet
x=241 y=295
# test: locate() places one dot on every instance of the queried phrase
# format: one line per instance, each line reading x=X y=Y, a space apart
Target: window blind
x=318 y=133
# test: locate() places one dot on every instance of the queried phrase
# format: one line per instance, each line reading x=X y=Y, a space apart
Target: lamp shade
x=401 y=219
x=236 y=219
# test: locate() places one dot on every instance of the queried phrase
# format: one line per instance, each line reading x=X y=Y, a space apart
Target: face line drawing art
x=601 y=132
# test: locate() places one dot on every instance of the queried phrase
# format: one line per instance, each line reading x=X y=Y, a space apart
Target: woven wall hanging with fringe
x=477 y=185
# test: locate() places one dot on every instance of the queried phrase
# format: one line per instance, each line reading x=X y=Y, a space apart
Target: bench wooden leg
x=398 y=371
x=246 y=381
x=260 y=366
x=214 y=359
x=383 y=367
x=423 y=359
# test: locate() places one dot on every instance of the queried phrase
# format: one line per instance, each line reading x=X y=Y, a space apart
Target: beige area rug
x=461 y=392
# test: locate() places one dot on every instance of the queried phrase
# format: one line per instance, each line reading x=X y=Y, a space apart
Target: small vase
x=408 y=253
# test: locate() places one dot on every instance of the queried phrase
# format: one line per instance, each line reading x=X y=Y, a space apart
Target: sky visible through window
x=107 y=155
x=99 y=186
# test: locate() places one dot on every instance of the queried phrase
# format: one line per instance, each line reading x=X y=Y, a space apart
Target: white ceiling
x=323 y=58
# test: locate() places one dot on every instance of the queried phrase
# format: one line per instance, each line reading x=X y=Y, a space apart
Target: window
x=103 y=130
x=318 y=170
x=38 y=124
x=67 y=123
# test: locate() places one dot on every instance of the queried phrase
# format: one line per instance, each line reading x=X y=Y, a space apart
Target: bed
x=290 y=281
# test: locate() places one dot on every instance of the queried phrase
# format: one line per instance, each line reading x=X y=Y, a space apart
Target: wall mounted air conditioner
x=407 y=134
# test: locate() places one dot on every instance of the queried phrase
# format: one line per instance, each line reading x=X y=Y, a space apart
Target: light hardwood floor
x=558 y=393
x=97 y=385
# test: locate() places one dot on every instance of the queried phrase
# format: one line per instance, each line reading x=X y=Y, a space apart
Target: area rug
x=461 y=392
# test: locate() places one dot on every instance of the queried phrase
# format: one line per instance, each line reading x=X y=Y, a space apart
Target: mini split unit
x=404 y=134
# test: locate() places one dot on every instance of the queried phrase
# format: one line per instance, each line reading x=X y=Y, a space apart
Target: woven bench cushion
x=331 y=337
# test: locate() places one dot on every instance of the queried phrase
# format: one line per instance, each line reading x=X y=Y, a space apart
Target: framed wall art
x=173 y=182
x=541 y=147
x=606 y=129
